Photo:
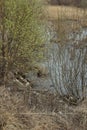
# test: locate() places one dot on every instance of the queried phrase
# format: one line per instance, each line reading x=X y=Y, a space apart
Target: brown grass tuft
x=47 y=112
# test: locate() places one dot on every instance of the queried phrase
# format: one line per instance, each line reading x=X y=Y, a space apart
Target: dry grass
x=79 y=117
x=66 y=20
x=55 y=115
x=72 y=13
x=68 y=17
x=15 y=115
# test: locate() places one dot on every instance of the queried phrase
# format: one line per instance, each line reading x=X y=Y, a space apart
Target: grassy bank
x=69 y=12
x=46 y=112
x=66 y=20
x=65 y=13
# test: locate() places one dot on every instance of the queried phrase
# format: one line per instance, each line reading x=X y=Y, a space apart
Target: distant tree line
x=79 y=3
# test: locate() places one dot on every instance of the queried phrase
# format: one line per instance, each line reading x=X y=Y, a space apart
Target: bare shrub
x=68 y=59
